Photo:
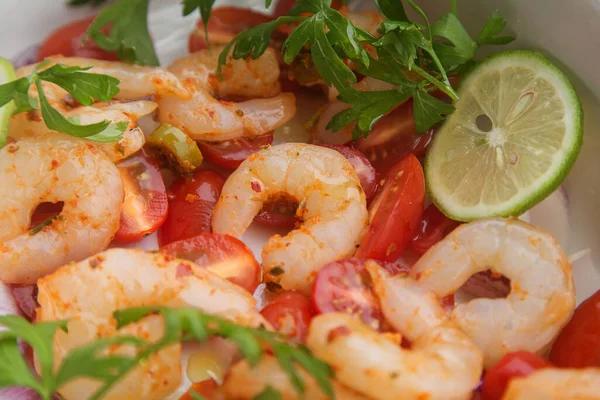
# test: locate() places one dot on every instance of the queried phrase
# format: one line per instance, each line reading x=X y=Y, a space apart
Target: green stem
x=443 y=86
x=453 y=7
x=423 y=15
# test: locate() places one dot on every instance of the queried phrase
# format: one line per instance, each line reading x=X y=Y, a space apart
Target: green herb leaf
x=268 y=394
x=463 y=48
x=392 y=9
x=129 y=35
x=196 y=396
x=37 y=229
x=76 y=3
x=428 y=111
x=309 y=6
x=85 y=87
x=493 y=27
x=268 y=3
x=205 y=7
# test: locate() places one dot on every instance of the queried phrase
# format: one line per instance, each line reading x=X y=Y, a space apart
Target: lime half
x=516 y=132
x=7 y=74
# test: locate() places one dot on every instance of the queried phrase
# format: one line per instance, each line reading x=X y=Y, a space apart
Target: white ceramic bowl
x=566 y=31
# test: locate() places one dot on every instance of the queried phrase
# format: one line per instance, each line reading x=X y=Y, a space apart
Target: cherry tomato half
x=224 y=24
x=364 y=169
x=345 y=286
x=434 y=227
x=290 y=314
x=393 y=137
x=145 y=206
x=497 y=378
x=395 y=212
x=191 y=202
x=45 y=211
x=224 y=255
x=231 y=153
x=279 y=212
x=66 y=41
x=578 y=344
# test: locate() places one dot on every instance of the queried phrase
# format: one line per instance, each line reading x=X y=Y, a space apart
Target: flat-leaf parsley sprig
x=91 y=360
x=85 y=87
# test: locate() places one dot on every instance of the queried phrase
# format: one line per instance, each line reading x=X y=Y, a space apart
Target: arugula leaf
x=492 y=28
x=392 y=9
x=205 y=7
x=428 y=111
x=268 y=394
x=129 y=35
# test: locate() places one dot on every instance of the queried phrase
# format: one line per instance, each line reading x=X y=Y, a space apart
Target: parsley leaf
x=428 y=110
x=392 y=9
x=268 y=394
x=463 y=48
x=493 y=27
x=129 y=35
x=205 y=7
x=76 y=3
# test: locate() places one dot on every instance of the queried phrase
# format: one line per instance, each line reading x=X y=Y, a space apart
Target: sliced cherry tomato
x=224 y=255
x=392 y=139
x=26 y=298
x=364 y=169
x=578 y=344
x=345 y=286
x=279 y=212
x=191 y=202
x=434 y=227
x=231 y=153
x=207 y=389
x=145 y=206
x=497 y=378
x=45 y=211
x=290 y=313
x=66 y=41
x=224 y=24
x=395 y=212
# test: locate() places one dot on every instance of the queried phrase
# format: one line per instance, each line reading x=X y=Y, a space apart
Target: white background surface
x=567 y=31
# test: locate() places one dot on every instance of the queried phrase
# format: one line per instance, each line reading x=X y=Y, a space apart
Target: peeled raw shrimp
x=55 y=168
x=32 y=125
x=246 y=382
x=203 y=117
x=136 y=81
x=331 y=204
x=443 y=363
x=542 y=296
x=87 y=293
x=556 y=384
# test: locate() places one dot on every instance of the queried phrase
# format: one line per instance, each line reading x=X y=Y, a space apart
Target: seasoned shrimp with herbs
x=331 y=202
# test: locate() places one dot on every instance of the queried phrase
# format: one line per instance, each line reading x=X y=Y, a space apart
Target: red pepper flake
x=335 y=333
x=183 y=270
x=256 y=186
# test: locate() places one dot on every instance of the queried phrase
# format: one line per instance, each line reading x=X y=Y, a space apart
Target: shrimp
x=87 y=293
x=443 y=362
x=542 y=297
x=332 y=206
x=204 y=117
x=31 y=125
x=556 y=384
x=246 y=382
x=136 y=81
x=55 y=169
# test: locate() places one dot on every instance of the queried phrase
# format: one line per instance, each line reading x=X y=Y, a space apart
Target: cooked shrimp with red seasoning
x=317 y=200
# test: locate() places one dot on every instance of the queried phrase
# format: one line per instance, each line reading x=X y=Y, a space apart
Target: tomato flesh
x=279 y=213
x=433 y=228
x=364 y=169
x=290 y=314
x=26 y=298
x=191 y=203
x=512 y=365
x=230 y=154
x=395 y=212
x=145 y=205
x=578 y=344
x=224 y=24
x=224 y=255
x=67 y=41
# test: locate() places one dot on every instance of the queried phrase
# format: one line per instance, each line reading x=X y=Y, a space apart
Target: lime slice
x=515 y=134
x=7 y=74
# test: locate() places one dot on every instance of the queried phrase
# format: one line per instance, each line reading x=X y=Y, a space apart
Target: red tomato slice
x=191 y=202
x=224 y=24
x=145 y=206
x=207 y=389
x=45 y=211
x=434 y=227
x=66 y=40
x=364 y=169
x=497 y=378
x=231 y=153
x=224 y=255
x=345 y=286
x=290 y=314
x=578 y=344
x=26 y=298
x=395 y=212
x=279 y=213
x=392 y=139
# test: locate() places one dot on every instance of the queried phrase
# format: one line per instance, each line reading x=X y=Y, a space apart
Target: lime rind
x=563 y=158
x=7 y=74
